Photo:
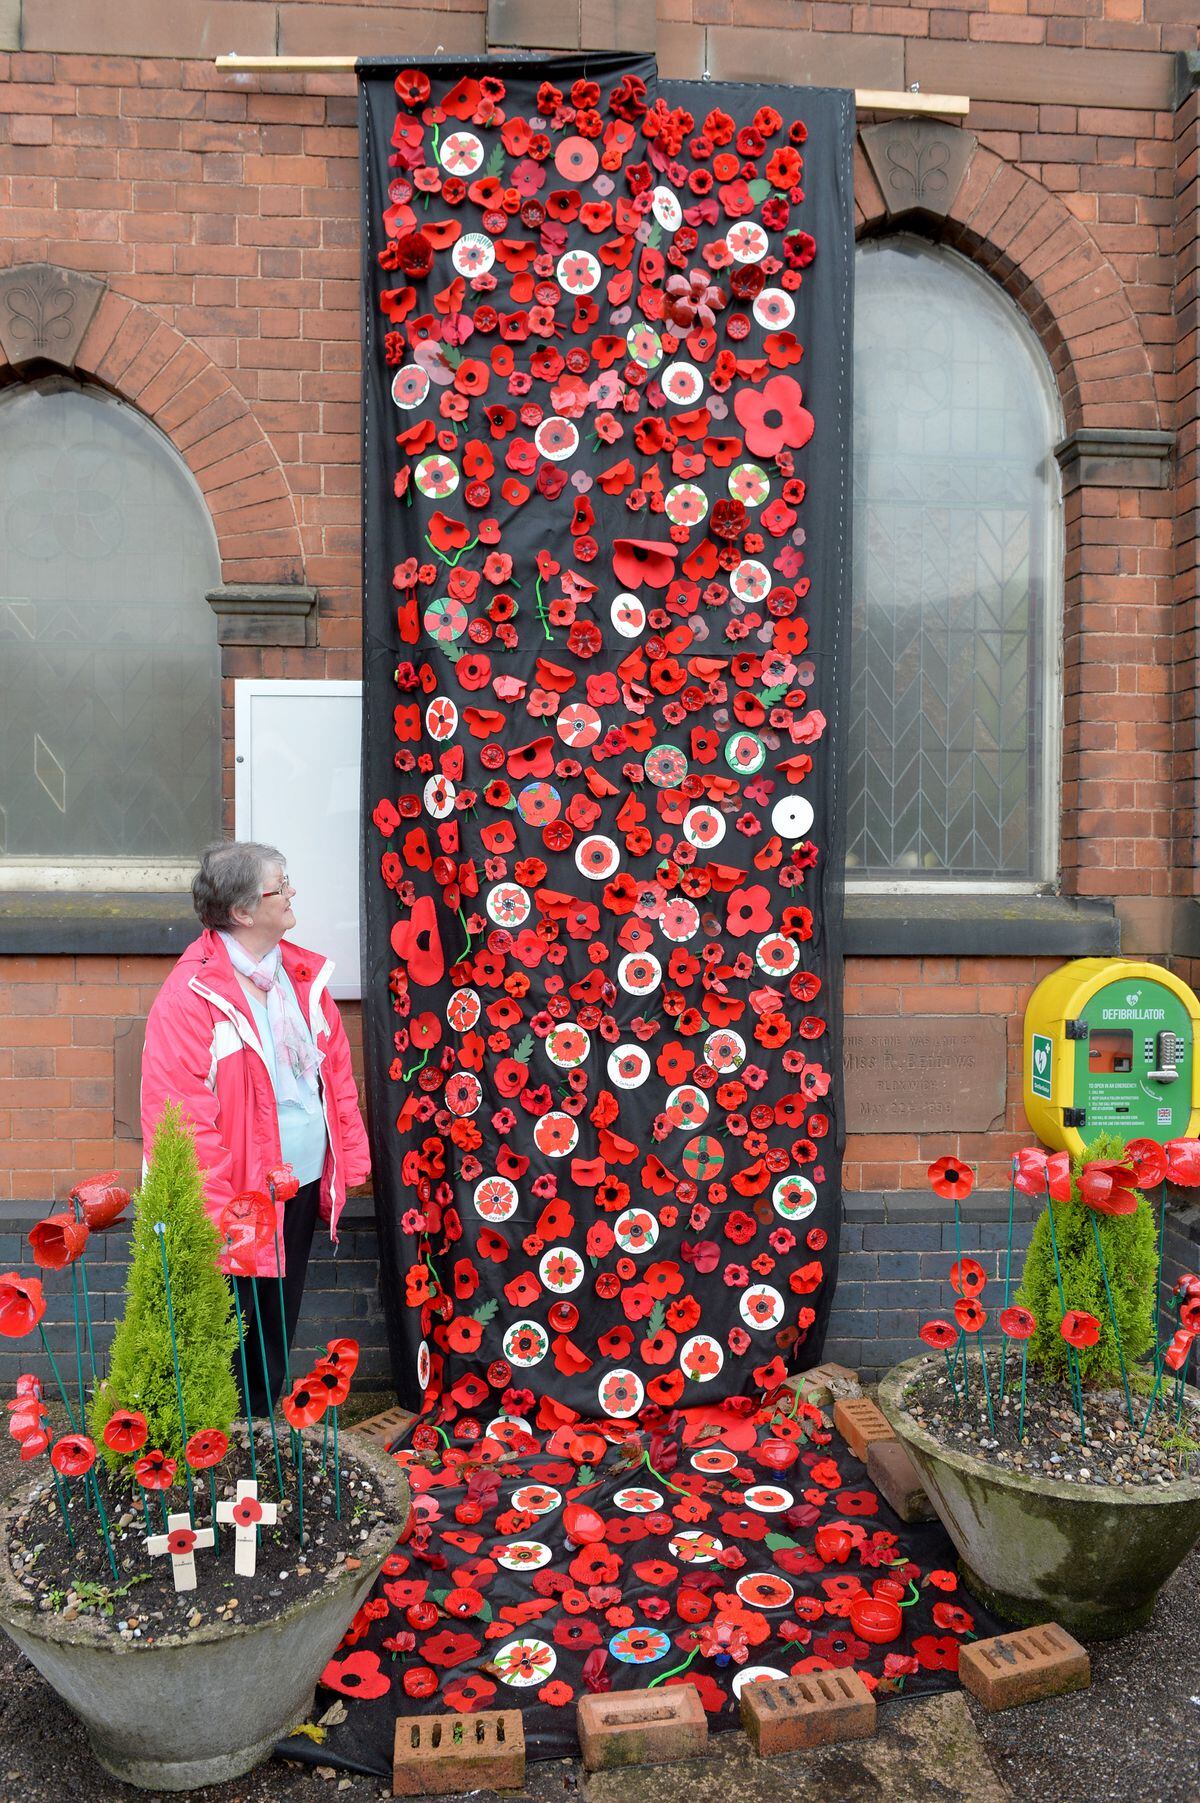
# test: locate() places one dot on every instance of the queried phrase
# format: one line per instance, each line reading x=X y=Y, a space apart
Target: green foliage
x=1130 y=1245
x=142 y=1373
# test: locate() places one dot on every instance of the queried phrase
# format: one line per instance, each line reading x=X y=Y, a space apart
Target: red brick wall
x=223 y=213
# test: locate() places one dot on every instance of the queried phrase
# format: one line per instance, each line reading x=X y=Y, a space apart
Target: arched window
x=954 y=719
x=109 y=666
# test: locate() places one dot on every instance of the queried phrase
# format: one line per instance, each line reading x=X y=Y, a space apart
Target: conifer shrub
x=1130 y=1245
x=141 y=1371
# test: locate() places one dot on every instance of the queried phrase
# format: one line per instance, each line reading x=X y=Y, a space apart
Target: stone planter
x=1091 y=1557
x=197 y=1708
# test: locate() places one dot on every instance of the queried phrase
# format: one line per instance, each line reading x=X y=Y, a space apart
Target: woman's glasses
x=285 y=888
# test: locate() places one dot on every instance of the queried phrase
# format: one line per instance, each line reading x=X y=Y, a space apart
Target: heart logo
x=1040 y=1058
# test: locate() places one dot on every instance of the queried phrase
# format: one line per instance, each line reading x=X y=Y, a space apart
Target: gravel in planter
x=1114 y=1452
x=144 y=1603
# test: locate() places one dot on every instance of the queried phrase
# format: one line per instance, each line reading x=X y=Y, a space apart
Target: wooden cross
x=181 y=1542
x=247 y=1515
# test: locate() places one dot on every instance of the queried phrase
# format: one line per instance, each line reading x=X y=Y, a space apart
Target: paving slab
x=926 y=1751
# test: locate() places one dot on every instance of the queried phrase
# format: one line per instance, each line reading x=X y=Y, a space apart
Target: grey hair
x=231 y=876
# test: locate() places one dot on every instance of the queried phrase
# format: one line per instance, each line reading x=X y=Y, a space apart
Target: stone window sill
x=997 y=926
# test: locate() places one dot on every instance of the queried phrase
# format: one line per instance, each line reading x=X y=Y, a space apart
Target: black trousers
x=260 y=1305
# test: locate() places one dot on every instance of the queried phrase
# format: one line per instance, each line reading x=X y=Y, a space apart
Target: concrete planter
x=197 y=1708
x=1091 y=1557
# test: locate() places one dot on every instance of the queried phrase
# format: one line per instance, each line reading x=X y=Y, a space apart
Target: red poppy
x=73 y=1455
x=332 y=1382
x=102 y=1199
x=156 y=1471
x=1079 y=1329
x=361 y=1675
x=1029 y=1170
x=343 y=1353
x=1018 y=1323
x=471 y=1692
x=247 y=1225
x=967 y=1277
x=1183 y=1163
x=1149 y=1162
x=1058 y=1176
x=950 y=1178
x=938 y=1334
x=969 y=1314
x=207 y=1446
x=58 y=1241
x=22 y=1305
x=125 y=1431
x=1109 y=1187
x=639 y=562
x=773 y=417
x=583 y=1525
x=1177 y=1353
x=282 y=1182
x=304 y=1405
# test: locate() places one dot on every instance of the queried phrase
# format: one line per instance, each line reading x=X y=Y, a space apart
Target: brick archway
x=130 y=350
x=1034 y=247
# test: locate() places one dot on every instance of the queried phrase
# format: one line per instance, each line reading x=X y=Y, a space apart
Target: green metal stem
x=87 y=1318
x=987 y=1389
x=300 y=1488
x=62 y=1504
x=1072 y=1363
x=337 y=1470
x=212 y=1497
x=237 y=1305
x=79 y=1383
x=62 y=1388
x=287 y=1365
x=950 y=1373
x=1159 y=1368
x=1024 y=1364
x=161 y=1230
x=262 y=1351
x=1112 y=1315
x=1012 y=1198
x=108 y=1546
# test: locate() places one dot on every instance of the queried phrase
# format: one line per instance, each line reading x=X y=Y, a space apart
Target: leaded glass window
x=109 y=667
x=954 y=699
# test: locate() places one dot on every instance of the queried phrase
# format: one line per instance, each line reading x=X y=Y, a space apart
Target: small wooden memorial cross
x=181 y=1542
x=247 y=1515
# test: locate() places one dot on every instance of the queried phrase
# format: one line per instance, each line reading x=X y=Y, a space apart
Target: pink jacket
x=203 y=1052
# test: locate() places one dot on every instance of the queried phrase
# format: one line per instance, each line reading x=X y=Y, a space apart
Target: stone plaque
x=929 y=1073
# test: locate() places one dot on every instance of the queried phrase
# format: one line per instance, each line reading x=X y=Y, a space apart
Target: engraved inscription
x=928 y=1073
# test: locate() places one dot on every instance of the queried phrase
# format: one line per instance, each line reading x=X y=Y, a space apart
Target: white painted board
x=298 y=786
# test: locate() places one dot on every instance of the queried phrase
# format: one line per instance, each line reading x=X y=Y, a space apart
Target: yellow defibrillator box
x=1110 y=1047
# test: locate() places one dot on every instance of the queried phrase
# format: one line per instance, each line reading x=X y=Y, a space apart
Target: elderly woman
x=245 y=1037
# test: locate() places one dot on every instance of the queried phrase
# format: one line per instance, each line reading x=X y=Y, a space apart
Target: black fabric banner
x=606 y=504
x=606 y=478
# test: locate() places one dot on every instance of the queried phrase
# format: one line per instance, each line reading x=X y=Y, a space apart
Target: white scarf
x=296 y=1059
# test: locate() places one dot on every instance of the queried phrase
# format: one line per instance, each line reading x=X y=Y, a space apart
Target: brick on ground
x=1024 y=1667
x=436 y=1755
x=898 y=1481
x=859 y=1421
x=641 y=1727
x=807 y=1711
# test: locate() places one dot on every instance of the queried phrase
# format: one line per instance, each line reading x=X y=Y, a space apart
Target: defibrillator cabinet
x=1110 y=1047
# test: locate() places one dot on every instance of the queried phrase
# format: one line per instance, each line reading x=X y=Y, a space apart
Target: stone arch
x=938 y=179
x=60 y=319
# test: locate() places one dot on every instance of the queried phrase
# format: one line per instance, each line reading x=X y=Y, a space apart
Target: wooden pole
x=867 y=100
